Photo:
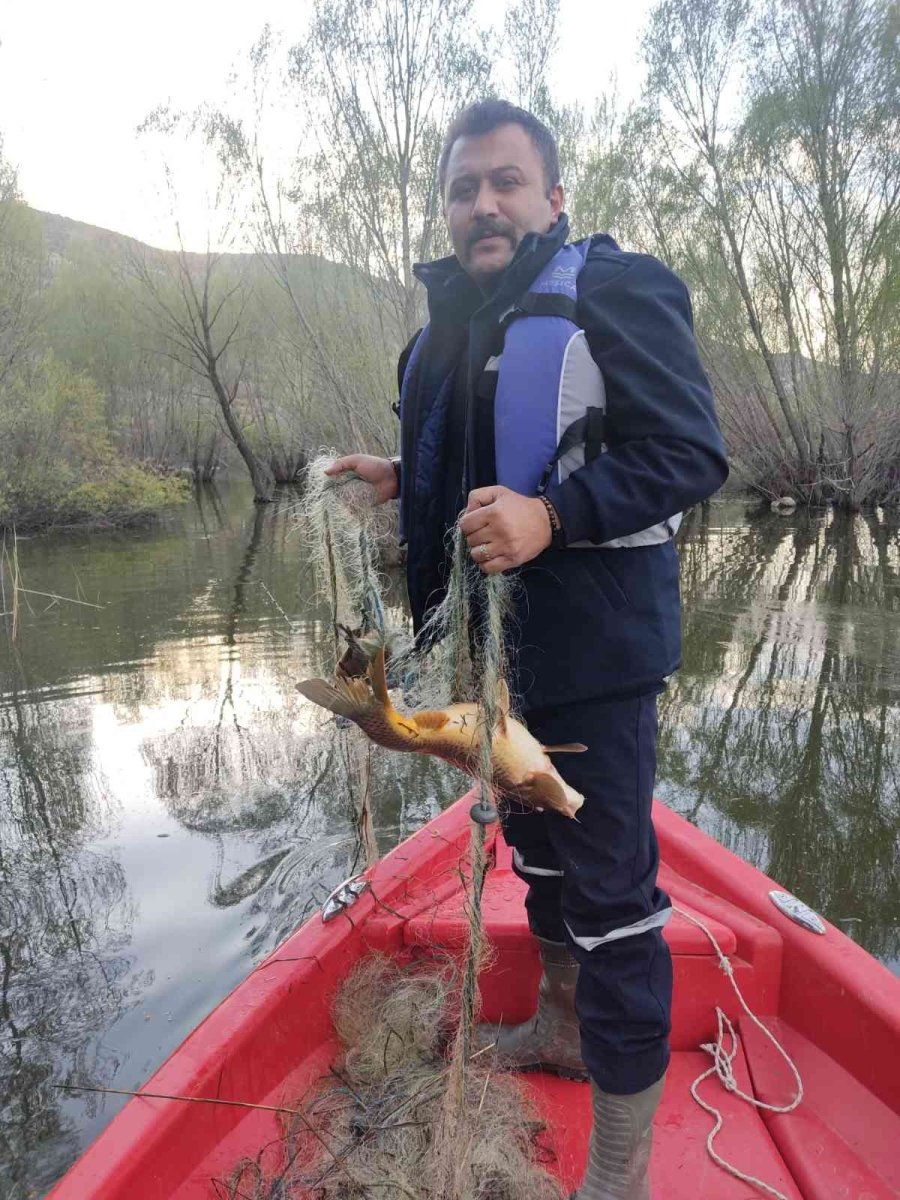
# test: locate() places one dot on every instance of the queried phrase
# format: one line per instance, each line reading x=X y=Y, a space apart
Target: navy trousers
x=592 y=884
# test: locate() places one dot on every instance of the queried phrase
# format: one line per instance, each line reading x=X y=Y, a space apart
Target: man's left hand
x=504 y=529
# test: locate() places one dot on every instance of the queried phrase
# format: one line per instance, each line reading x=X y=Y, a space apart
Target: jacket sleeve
x=665 y=451
x=402 y=364
x=403 y=361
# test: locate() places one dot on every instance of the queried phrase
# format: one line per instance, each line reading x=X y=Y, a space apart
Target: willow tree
x=20 y=272
x=693 y=50
x=380 y=81
x=775 y=128
x=823 y=140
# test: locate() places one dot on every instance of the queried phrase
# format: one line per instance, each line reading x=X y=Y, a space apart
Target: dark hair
x=483 y=116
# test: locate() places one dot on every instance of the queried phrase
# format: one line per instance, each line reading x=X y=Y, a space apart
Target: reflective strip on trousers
x=526 y=870
x=654 y=921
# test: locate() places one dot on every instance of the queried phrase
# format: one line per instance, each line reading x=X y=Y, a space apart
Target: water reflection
x=170 y=808
x=65 y=921
x=780 y=734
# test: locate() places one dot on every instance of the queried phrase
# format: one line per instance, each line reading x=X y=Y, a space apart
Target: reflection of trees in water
x=246 y=776
x=197 y=762
x=284 y=819
x=786 y=722
x=64 y=920
x=244 y=769
x=277 y=799
x=250 y=778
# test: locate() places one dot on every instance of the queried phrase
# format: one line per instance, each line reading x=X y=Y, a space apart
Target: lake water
x=169 y=809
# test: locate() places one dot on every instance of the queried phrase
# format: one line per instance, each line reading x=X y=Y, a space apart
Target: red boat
x=834 y=1009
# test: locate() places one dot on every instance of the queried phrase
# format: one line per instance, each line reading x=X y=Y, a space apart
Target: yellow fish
x=521 y=769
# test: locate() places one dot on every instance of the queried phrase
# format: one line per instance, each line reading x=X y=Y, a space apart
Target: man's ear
x=557 y=199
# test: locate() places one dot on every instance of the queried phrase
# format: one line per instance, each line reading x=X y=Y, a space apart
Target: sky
x=76 y=80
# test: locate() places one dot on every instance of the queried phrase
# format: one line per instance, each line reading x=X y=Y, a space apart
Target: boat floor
x=841 y=1144
x=681 y=1168
x=432 y=914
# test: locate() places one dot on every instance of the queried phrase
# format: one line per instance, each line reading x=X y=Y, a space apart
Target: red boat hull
x=834 y=1007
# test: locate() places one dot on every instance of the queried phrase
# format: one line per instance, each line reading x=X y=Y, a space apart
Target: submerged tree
x=201 y=307
x=823 y=138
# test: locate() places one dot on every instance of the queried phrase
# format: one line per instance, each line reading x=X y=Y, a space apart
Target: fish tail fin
x=347 y=698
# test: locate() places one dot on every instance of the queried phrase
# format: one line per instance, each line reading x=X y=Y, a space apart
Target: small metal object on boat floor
x=797 y=911
x=343 y=896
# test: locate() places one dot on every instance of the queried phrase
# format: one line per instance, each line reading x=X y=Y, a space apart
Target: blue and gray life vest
x=549 y=395
x=548 y=392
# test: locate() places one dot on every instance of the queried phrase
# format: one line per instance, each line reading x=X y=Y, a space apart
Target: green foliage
x=21 y=267
x=761 y=164
x=59 y=465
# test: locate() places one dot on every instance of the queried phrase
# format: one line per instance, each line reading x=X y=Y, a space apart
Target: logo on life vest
x=562 y=280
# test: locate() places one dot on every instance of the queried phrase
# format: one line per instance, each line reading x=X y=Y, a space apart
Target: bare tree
x=381 y=79
x=784 y=195
x=531 y=36
x=201 y=312
x=530 y=40
x=823 y=136
x=693 y=48
x=377 y=81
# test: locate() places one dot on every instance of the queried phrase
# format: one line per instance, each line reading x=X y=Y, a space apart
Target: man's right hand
x=377 y=471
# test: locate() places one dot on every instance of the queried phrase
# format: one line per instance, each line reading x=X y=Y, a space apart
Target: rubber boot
x=551 y=1040
x=619 y=1155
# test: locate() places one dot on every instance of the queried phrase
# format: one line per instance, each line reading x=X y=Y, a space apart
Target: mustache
x=491 y=229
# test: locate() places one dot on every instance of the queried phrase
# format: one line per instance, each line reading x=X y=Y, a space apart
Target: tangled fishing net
x=412 y=1112
x=372 y=1130
x=345 y=531
x=346 y=536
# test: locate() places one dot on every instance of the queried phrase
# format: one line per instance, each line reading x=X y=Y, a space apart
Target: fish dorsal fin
x=431 y=720
x=503 y=701
x=378 y=679
x=566 y=748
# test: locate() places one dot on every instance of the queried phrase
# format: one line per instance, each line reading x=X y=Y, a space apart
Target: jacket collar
x=454 y=296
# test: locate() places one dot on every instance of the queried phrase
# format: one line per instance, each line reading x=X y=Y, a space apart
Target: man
x=556 y=394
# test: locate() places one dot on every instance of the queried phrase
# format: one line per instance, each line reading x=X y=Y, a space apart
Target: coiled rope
x=723 y=1069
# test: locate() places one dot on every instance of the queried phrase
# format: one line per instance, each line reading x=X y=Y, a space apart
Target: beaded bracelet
x=557 y=533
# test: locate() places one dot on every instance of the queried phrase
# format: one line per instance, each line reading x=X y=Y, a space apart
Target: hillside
x=62 y=235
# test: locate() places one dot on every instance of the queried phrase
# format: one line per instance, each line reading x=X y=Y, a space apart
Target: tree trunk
x=260 y=475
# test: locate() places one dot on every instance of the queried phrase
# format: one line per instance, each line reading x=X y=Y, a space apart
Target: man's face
x=494 y=193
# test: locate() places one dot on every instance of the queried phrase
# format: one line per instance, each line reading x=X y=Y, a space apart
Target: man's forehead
x=506 y=146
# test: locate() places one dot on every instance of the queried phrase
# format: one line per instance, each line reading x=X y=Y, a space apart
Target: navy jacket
x=591 y=623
